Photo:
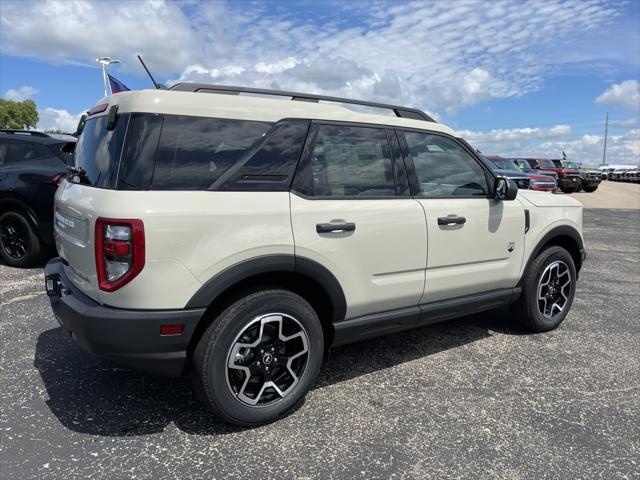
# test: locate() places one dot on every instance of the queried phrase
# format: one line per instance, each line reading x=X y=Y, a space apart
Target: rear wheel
x=548 y=288
x=590 y=189
x=19 y=243
x=257 y=360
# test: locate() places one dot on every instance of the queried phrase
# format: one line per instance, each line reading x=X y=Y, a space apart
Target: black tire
x=590 y=189
x=568 y=190
x=19 y=243
x=578 y=187
x=212 y=375
x=527 y=310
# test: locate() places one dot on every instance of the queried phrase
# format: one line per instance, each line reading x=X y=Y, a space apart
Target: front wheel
x=548 y=288
x=258 y=358
x=590 y=189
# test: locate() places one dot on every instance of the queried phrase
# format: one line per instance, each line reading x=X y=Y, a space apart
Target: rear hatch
x=84 y=196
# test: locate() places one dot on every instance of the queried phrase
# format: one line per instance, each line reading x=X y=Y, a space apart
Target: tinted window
x=270 y=164
x=4 y=153
x=443 y=167
x=503 y=164
x=98 y=150
x=23 y=151
x=139 y=154
x=351 y=161
x=546 y=163
x=194 y=152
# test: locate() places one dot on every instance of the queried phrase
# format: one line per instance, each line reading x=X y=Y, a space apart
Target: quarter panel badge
x=511 y=246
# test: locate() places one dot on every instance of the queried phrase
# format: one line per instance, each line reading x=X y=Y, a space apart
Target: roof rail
x=404 y=112
x=23 y=132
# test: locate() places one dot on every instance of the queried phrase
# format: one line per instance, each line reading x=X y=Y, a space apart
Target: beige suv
x=237 y=234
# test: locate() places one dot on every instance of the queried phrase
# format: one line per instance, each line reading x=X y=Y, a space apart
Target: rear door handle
x=451 y=220
x=335 y=227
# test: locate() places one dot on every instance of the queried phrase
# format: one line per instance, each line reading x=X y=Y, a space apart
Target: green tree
x=20 y=115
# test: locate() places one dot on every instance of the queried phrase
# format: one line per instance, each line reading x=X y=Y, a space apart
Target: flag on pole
x=116 y=85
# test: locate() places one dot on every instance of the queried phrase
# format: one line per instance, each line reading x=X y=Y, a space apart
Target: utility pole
x=105 y=62
x=606 y=128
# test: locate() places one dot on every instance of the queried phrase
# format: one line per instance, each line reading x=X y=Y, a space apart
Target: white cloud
x=57 y=119
x=550 y=142
x=499 y=135
x=625 y=94
x=628 y=123
x=80 y=30
x=433 y=55
x=23 y=93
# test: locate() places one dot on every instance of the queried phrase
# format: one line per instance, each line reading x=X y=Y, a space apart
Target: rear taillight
x=57 y=179
x=119 y=251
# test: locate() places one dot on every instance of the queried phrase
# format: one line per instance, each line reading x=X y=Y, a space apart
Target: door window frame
x=414 y=181
x=302 y=184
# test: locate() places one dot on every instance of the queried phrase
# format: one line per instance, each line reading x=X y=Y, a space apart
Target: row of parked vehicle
x=547 y=174
x=625 y=173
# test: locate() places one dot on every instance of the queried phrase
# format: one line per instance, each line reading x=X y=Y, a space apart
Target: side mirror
x=504 y=189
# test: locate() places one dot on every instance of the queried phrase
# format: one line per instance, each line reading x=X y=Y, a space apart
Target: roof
x=242 y=107
x=29 y=136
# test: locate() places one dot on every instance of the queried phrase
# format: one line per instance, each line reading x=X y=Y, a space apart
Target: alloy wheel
x=554 y=288
x=15 y=238
x=267 y=359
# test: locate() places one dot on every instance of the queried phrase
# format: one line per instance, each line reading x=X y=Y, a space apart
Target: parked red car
x=568 y=178
x=538 y=182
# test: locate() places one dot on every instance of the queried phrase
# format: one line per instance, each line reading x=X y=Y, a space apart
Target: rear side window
x=24 y=151
x=98 y=151
x=4 y=153
x=194 y=152
x=347 y=161
x=270 y=164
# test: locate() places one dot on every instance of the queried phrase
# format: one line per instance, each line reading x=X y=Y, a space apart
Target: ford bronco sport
x=237 y=237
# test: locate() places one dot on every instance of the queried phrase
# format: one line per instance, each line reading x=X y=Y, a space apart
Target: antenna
x=155 y=84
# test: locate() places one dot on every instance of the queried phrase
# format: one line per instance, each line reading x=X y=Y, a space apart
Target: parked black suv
x=31 y=165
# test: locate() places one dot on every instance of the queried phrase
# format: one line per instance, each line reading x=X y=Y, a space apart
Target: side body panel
x=546 y=213
x=189 y=238
x=380 y=265
x=483 y=254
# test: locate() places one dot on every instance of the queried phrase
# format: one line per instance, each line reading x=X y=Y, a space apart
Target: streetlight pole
x=606 y=128
x=105 y=62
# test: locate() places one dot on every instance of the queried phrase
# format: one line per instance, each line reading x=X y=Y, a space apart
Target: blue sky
x=514 y=77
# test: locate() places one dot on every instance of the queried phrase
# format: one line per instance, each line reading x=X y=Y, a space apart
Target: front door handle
x=335 y=227
x=451 y=220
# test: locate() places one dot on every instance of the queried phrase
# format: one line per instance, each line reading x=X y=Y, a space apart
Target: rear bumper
x=129 y=337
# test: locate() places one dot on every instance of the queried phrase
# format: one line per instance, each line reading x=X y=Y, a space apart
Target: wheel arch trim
x=6 y=202
x=213 y=288
x=556 y=233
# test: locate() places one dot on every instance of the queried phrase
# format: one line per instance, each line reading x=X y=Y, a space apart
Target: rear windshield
x=98 y=151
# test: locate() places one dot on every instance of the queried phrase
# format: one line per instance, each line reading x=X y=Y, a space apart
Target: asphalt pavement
x=471 y=398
